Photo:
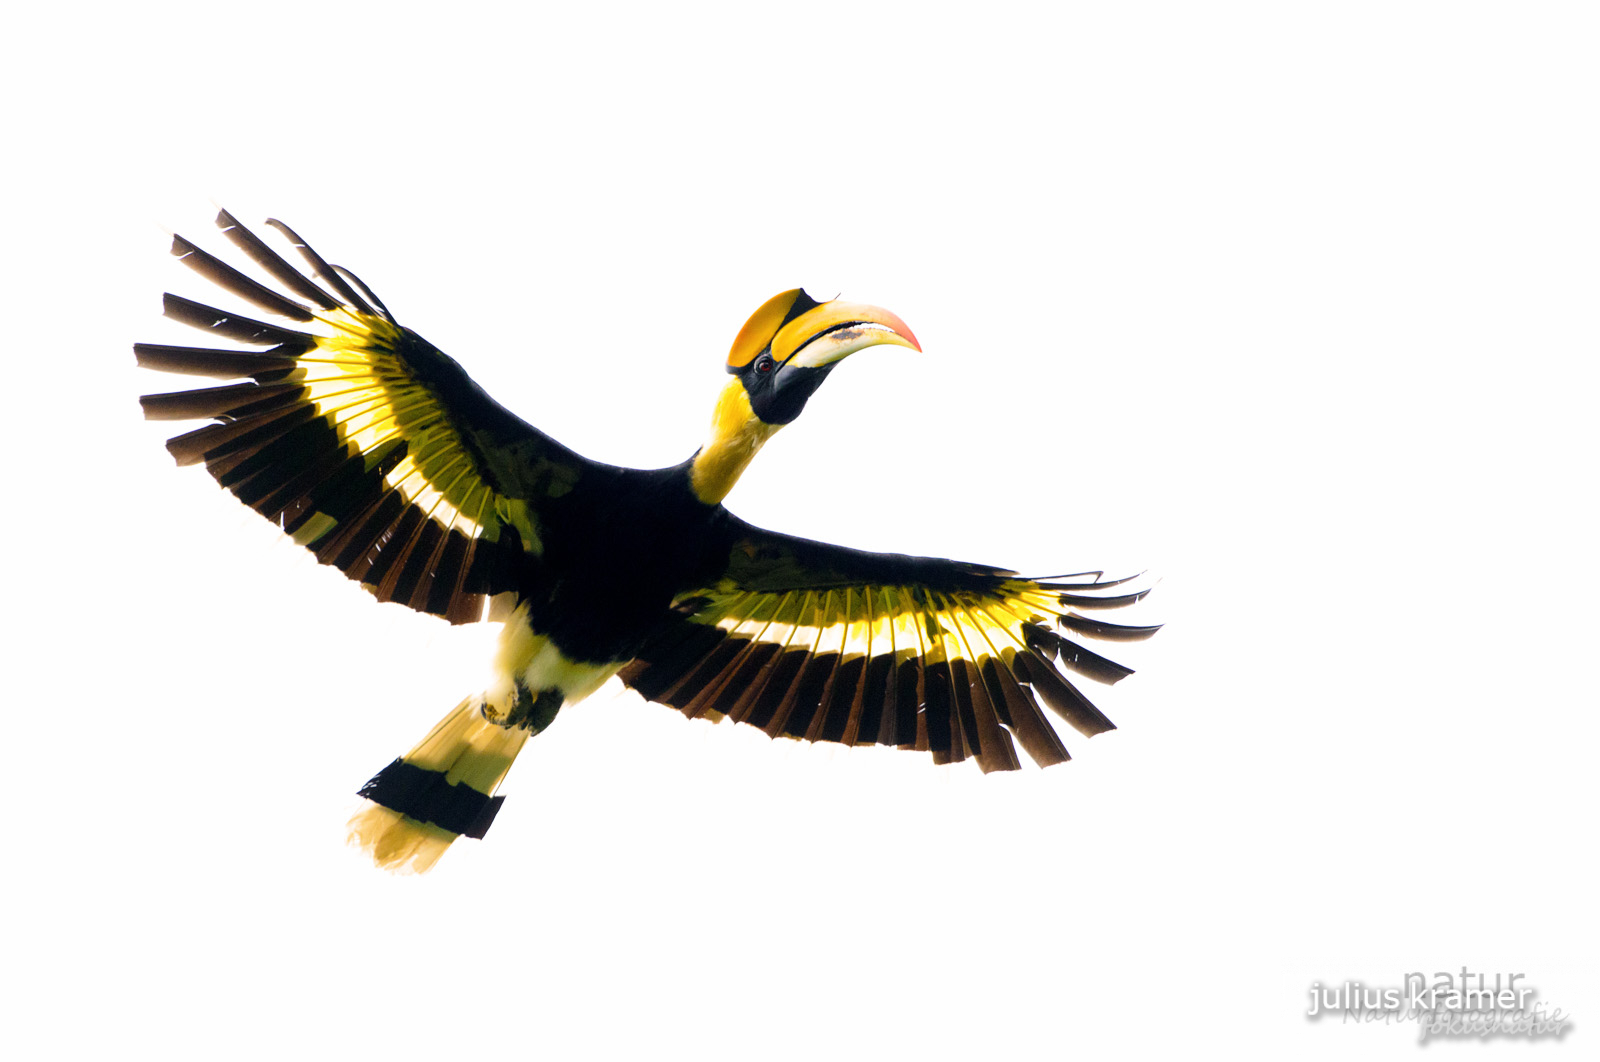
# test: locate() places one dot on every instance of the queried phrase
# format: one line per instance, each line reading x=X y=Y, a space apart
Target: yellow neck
x=736 y=434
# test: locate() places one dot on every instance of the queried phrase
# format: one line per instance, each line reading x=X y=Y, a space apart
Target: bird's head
x=789 y=345
x=779 y=359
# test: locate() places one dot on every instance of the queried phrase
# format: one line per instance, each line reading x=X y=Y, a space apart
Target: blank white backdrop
x=1294 y=307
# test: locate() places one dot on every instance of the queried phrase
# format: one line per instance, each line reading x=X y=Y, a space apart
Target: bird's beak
x=791 y=343
x=827 y=333
x=808 y=347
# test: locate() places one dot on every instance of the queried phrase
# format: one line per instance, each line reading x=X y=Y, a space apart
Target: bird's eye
x=764 y=364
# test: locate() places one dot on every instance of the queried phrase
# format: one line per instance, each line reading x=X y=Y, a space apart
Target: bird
x=373 y=449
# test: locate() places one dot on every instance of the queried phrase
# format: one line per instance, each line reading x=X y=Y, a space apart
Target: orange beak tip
x=907 y=334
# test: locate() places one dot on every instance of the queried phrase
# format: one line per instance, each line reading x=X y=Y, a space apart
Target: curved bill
x=824 y=334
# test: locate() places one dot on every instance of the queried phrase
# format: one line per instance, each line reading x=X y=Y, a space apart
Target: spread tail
x=440 y=790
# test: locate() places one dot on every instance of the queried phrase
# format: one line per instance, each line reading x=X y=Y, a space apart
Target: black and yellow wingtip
x=962 y=672
x=334 y=432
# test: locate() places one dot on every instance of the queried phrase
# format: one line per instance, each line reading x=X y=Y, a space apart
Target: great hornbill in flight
x=375 y=451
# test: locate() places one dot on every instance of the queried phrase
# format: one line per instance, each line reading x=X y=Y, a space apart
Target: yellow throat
x=736 y=435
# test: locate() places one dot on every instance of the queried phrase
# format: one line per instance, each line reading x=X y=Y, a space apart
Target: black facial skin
x=779 y=392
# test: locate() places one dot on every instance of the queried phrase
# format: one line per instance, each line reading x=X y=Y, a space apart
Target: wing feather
x=823 y=643
x=364 y=442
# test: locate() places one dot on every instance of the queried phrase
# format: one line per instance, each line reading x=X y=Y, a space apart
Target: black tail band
x=427 y=796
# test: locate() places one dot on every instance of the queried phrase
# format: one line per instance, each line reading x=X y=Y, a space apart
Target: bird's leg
x=528 y=710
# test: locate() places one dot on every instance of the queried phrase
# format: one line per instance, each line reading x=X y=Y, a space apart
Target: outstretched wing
x=819 y=642
x=364 y=442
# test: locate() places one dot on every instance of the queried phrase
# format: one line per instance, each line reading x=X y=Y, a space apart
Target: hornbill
x=371 y=448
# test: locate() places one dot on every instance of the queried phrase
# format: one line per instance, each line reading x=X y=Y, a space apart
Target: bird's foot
x=523 y=709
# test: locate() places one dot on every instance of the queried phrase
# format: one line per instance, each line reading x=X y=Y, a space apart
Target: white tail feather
x=396 y=842
x=469 y=750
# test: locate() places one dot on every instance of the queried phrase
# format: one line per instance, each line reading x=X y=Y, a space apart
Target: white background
x=1294 y=305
